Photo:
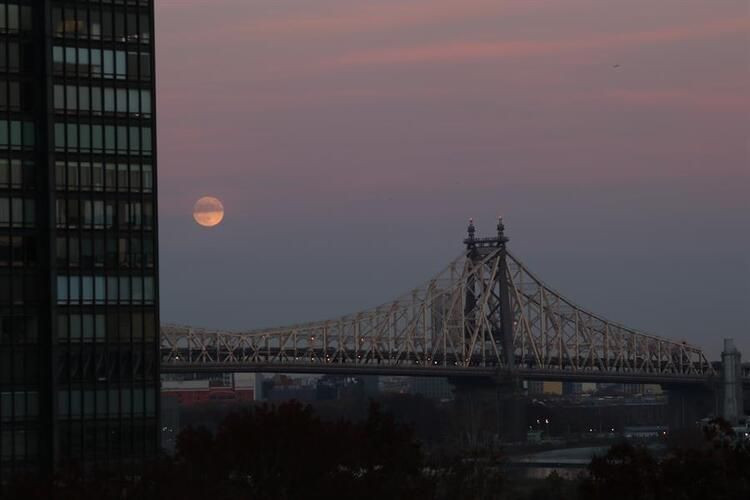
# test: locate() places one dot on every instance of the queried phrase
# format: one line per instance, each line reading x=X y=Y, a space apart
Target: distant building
x=579 y=387
x=544 y=387
x=535 y=387
x=287 y=393
x=190 y=392
x=170 y=422
x=632 y=388
x=331 y=387
x=645 y=431
x=431 y=387
x=652 y=389
x=394 y=385
x=243 y=381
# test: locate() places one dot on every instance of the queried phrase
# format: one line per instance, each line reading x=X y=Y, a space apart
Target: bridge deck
x=439 y=371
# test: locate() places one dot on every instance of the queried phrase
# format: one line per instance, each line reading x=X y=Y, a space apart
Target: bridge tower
x=505 y=392
x=498 y=312
x=731 y=360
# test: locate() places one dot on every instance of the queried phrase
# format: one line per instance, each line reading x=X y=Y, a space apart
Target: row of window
x=126 y=326
x=16 y=56
x=91 y=363
x=16 y=173
x=103 y=100
x=14 y=18
x=102 y=138
x=95 y=24
x=123 y=325
x=87 y=214
x=17 y=212
x=16 y=96
x=126 y=2
x=16 y=329
x=97 y=176
x=18 y=289
x=103 y=403
x=18 y=405
x=19 y=366
x=16 y=134
x=98 y=63
x=18 y=444
x=111 y=252
x=89 y=439
x=76 y=289
x=100 y=214
x=17 y=251
x=77 y=402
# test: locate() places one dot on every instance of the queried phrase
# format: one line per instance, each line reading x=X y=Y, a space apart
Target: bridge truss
x=455 y=324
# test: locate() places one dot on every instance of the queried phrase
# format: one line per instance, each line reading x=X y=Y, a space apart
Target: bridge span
x=485 y=315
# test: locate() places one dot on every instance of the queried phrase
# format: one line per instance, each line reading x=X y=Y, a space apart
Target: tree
x=626 y=472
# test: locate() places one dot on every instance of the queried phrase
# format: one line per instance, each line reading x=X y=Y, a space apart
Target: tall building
x=78 y=250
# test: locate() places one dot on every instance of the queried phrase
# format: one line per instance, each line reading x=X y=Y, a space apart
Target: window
x=139 y=65
x=122 y=176
x=148 y=181
x=18 y=405
x=15 y=96
x=16 y=18
x=74 y=252
x=134 y=177
x=148 y=251
x=17 y=251
x=16 y=173
x=16 y=134
x=124 y=289
x=148 y=289
x=15 y=56
x=62 y=289
x=17 y=212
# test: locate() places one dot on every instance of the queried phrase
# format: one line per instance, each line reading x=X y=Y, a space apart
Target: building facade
x=78 y=249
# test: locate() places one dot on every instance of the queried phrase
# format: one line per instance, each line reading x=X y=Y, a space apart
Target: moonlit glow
x=208 y=211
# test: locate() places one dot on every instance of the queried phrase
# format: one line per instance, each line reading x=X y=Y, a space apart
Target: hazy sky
x=351 y=140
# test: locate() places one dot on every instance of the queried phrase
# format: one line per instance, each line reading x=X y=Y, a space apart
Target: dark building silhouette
x=78 y=266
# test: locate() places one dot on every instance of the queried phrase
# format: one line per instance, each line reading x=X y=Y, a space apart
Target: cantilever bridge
x=485 y=314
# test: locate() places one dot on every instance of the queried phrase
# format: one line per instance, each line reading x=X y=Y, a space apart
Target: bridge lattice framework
x=486 y=313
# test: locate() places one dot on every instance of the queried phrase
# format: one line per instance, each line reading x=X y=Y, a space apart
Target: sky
x=351 y=140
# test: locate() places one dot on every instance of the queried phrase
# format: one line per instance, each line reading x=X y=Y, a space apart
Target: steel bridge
x=485 y=314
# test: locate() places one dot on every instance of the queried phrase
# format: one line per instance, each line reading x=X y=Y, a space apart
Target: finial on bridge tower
x=471 y=229
x=501 y=230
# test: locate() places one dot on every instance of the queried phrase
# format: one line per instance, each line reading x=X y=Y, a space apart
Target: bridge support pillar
x=512 y=404
x=489 y=410
x=687 y=405
x=732 y=407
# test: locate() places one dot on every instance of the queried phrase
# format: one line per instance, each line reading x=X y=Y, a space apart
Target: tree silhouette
x=626 y=472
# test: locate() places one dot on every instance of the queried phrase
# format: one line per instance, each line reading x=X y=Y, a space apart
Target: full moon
x=208 y=211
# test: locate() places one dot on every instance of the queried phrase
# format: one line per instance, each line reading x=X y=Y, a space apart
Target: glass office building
x=78 y=252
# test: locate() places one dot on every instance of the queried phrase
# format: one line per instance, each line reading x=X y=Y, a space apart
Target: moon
x=208 y=211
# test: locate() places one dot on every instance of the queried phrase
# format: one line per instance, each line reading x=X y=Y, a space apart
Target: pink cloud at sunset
x=481 y=50
x=716 y=103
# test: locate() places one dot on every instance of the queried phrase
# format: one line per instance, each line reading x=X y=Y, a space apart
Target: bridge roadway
x=414 y=368
x=485 y=315
x=444 y=371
